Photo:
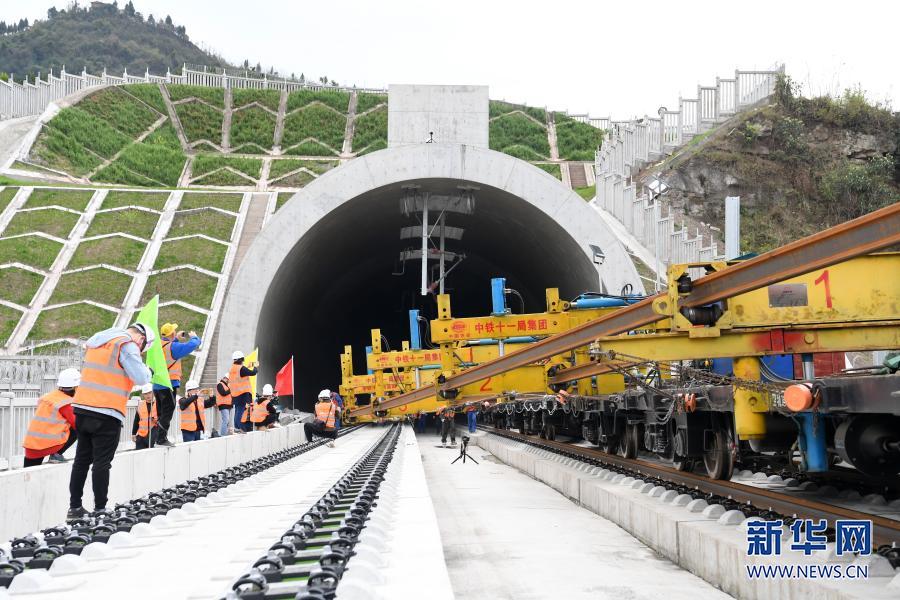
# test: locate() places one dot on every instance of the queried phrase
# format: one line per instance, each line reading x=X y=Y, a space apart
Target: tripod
x=462 y=451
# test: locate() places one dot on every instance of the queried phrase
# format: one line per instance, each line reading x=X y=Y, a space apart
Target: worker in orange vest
x=263 y=414
x=225 y=405
x=241 y=396
x=175 y=346
x=324 y=424
x=446 y=416
x=52 y=428
x=145 y=429
x=193 y=411
x=112 y=366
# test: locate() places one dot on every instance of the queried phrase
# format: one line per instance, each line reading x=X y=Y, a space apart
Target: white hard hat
x=148 y=333
x=147 y=388
x=68 y=378
x=237 y=355
x=192 y=385
x=267 y=390
x=325 y=394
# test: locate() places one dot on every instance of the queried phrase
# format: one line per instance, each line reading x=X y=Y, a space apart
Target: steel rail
x=871 y=232
x=885 y=531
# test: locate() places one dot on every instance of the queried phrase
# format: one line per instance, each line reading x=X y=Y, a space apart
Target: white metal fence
x=630 y=145
x=25 y=98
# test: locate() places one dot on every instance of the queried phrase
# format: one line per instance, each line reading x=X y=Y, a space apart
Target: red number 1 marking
x=823 y=278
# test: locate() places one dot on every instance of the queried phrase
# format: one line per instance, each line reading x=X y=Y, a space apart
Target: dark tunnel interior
x=338 y=282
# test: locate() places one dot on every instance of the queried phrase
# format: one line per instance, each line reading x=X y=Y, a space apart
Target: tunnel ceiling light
x=415 y=232
x=463 y=204
x=433 y=254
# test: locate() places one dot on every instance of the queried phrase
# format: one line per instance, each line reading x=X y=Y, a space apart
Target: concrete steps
x=252 y=226
x=577 y=175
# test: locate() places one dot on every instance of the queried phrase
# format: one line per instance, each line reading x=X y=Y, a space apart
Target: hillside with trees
x=96 y=36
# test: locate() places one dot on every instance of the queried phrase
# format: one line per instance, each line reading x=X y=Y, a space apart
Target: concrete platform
x=703 y=540
x=506 y=535
x=202 y=551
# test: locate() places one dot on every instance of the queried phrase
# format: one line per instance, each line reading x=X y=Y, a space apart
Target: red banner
x=284 y=380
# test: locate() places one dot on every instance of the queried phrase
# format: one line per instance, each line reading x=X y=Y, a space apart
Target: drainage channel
x=54 y=545
x=309 y=559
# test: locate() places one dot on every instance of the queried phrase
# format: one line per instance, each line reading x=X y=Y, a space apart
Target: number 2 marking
x=486 y=386
x=823 y=278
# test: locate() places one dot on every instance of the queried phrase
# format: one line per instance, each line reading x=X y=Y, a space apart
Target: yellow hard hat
x=168 y=329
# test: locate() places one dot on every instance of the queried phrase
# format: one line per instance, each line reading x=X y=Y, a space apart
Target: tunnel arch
x=319 y=275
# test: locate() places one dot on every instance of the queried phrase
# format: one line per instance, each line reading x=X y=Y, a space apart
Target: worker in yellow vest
x=52 y=428
x=225 y=405
x=193 y=411
x=263 y=415
x=241 y=396
x=324 y=424
x=175 y=346
x=112 y=366
x=145 y=429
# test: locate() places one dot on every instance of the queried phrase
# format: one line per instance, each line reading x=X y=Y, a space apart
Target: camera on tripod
x=462 y=451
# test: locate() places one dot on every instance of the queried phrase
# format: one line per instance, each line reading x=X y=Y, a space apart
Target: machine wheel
x=717 y=458
x=628 y=446
x=683 y=463
x=551 y=432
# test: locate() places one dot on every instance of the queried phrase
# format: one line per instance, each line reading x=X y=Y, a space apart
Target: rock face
x=776 y=163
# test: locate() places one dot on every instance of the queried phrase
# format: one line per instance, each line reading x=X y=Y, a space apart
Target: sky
x=619 y=59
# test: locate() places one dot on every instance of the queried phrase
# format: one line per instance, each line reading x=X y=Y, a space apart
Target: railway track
x=753 y=501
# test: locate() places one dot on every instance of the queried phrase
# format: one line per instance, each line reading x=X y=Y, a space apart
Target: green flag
x=154 y=357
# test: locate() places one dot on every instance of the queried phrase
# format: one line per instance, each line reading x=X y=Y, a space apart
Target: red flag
x=284 y=380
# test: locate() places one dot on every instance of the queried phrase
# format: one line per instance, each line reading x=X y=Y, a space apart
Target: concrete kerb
x=705 y=539
x=35 y=498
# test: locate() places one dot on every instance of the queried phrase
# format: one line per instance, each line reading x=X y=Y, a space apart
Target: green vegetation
x=852 y=110
x=225 y=201
x=100 y=37
x=282 y=198
x=58 y=197
x=164 y=136
x=50 y=220
x=851 y=190
x=282 y=167
x=132 y=221
x=73 y=321
x=370 y=129
x=116 y=199
x=523 y=152
x=148 y=93
x=588 y=192
x=192 y=251
x=156 y=163
x=119 y=109
x=187 y=319
x=116 y=173
x=200 y=122
x=575 y=140
x=116 y=251
x=224 y=178
x=100 y=285
x=553 y=169
x=18 y=285
x=210 y=95
x=204 y=147
x=340 y=101
x=514 y=130
x=316 y=122
x=6 y=196
x=498 y=108
x=31 y=250
x=186 y=285
x=310 y=148
x=207 y=163
x=297 y=180
x=9 y=318
x=87 y=130
x=268 y=98
x=366 y=101
x=209 y=222
x=252 y=126
x=58 y=151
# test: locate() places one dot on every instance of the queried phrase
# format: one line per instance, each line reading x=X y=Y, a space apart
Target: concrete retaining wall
x=704 y=542
x=38 y=497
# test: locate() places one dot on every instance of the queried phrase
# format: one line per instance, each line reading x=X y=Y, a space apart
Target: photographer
x=263 y=415
x=446 y=415
x=193 y=411
x=324 y=423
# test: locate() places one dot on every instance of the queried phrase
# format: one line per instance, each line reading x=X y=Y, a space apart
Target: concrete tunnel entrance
x=326 y=269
